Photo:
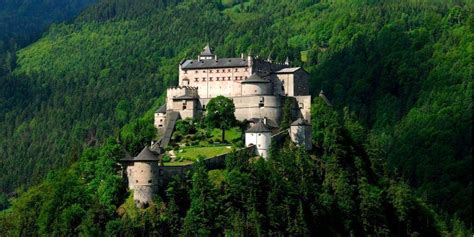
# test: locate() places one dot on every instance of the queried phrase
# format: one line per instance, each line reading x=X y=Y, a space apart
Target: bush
x=166 y=158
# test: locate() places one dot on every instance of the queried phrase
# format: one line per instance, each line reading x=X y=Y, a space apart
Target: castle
x=258 y=88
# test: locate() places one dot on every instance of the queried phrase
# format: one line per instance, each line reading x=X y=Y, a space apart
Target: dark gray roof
x=212 y=63
x=300 y=122
x=162 y=109
x=207 y=51
x=259 y=127
x=255 y=79
x=270 y=123
x=146 y=155
x=184 y=97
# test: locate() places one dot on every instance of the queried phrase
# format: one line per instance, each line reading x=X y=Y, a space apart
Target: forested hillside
x=403 y=69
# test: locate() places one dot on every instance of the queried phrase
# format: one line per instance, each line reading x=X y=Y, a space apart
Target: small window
x=217 y=78
x=196 y=79
x=210 y=78
x=210 y=71
x=246 y=78
x=149 y=181
x=161 y=120
x=203 y=79
x=142 y=171
x=228 y=79
x=136 y=181
x=197 y=72
x=228 y=70
x=204 y=71
x=217 y=70
x=259 y=145
x=185 y=71
x=184 y=106
x=259 y=134
x=160 y=126
x=203 y=107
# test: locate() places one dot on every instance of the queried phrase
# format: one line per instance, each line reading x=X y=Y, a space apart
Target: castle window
x=236 y=69
x=196 y=79
x=142 y=171
x=184 y=107
x=203 y=107
x=246 y=78
x=228 y=70
x=259 y=135
x=185 y=71
x=246 y=69
x=149 y=181
x=197 y=72
x=210 y=71
x=204 y=71
x=301 y=105
x=217 y=78
x=217 y=70
x=203 y=79
x=210 y=78
x=228 y=79
x=136 y=181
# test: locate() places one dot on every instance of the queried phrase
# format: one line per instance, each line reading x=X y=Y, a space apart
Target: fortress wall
x=247 y=107
x=190 y=110
x=159 y=121
x=287 y=80
x=256 y=89
x=304 y=103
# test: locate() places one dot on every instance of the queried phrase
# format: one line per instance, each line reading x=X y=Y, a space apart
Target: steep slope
x=404 y=68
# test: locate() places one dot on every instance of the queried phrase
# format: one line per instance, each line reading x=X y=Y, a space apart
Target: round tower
x=143 y=176
x=260 y=136
x=300 y=133
x=255 y=85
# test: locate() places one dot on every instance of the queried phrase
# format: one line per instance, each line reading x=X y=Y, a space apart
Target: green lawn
x=192 y=153
x=230 y=135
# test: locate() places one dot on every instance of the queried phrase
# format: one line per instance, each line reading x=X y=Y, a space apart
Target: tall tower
x=142 y=173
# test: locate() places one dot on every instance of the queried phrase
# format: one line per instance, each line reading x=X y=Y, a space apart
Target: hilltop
x=402 y=69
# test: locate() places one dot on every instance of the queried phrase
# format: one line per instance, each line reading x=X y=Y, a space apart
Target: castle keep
x=256 y=86
x=259 y=90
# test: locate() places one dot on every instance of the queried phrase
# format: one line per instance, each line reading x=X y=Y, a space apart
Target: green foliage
x=402 y=68
x=220 y=114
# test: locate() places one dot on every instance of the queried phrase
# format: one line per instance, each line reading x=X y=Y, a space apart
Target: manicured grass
x=230 y=135
x=192 y=153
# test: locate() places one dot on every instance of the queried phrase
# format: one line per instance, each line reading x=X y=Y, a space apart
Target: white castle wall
x=215 y=82
x=261 y=141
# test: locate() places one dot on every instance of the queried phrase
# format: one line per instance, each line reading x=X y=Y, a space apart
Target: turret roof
x=144 y=155
x=259 y=127
x=207 y=51
x=162 y=109
x=256 y=79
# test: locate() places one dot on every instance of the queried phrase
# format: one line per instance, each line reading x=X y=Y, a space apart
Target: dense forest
x=393 y=155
